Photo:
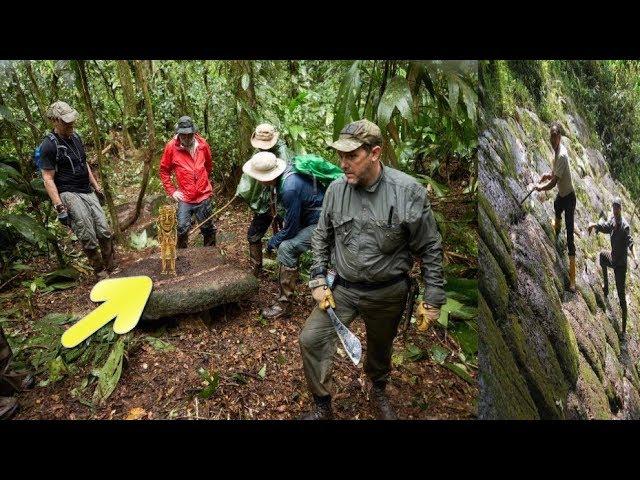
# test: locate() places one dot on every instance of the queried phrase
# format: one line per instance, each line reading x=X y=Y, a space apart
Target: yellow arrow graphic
x=124 y=299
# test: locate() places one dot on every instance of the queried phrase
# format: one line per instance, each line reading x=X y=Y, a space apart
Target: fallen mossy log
x=204 y=279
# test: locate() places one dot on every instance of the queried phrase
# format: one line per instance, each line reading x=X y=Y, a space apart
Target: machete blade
x=349 y=341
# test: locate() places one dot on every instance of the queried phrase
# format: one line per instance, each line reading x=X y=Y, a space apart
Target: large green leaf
x=455 y=309
x=346 y=108
x=464 y=290
x=109 y=374
x=26 y=226
x=396 y=95
x=466 y=335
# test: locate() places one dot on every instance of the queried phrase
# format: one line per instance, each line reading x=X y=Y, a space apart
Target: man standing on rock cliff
x=565 y=201
x=621 y=240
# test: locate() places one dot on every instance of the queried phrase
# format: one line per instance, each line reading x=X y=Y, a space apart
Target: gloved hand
x=269 y=252
x=425 y=315
x=323 y=297
x=178 y=196
x=591 y=227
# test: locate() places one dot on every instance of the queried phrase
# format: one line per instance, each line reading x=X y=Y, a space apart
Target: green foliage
x=211 y=383
x=140 y=241
x=109 y=374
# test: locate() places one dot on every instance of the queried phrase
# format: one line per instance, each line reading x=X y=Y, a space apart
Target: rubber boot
x=282 y=306
x=95 y=260
x=255 y=256
x=15 y=382
x=383 y=406
x=209 y=239
x=11 y=381
x=183 y=240
x=572 y=273
x=108 y=254
x=8 y=407
x=557 y=223
x=321 y=410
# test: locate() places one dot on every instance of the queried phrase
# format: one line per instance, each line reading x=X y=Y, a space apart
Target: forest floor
x=258 y=362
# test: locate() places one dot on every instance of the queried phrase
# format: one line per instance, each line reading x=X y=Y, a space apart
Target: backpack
x=320 y=170
x=37 y=154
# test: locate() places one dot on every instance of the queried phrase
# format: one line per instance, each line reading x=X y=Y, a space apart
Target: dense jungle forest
x=233 y=363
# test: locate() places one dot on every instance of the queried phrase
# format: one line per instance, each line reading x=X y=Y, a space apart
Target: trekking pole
x=211 y=216
x=527 y=196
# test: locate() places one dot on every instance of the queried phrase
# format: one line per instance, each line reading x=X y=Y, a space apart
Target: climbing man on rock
x=262 y=198
x=11 y=381
x=565 y=201
x=373 y=221
x=301 y=200
x=188 y=155
x=621 y=241
x=73 y=189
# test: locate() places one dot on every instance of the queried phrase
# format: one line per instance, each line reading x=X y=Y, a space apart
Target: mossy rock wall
x=560 y=352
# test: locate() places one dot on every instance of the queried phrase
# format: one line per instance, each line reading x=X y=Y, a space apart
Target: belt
x=370 y=286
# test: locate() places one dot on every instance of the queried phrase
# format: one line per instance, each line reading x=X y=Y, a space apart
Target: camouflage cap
x=62 y=110
x=355 y=134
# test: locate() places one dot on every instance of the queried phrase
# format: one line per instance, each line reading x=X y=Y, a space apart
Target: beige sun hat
x=264 y=137
x=264 y=166
x=63 y=111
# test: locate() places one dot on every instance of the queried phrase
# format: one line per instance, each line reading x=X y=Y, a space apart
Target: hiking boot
x=282 y=306
x=8 y=407
x=383 y=406
x=95 y=260
x=183 y=240
x=108 y=254
x=321 y=410
x=209 y=239
x=572 y=273
x=16 y=381
x=255 y=256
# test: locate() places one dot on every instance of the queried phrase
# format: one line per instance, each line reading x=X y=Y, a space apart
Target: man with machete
x=372 y=220
x=618 y=228
x=565 y=201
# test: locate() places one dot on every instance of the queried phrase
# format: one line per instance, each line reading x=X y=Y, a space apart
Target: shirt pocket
x=345 y=233
x=388 y=237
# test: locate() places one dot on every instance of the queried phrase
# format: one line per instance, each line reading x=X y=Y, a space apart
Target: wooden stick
x=211 y=216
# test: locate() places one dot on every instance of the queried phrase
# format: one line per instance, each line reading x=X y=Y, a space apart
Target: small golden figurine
x=168 y=237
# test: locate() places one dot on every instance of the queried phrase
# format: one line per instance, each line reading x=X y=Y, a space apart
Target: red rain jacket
x=192 y=174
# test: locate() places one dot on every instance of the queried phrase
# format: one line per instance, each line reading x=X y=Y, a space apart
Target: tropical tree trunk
x=148 y=159
x=129 y=100
x=243 y=69
x=41 y=102
x=22 y=101
x=83 y=84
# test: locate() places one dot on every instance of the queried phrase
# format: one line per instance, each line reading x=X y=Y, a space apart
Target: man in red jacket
x=189 y=156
